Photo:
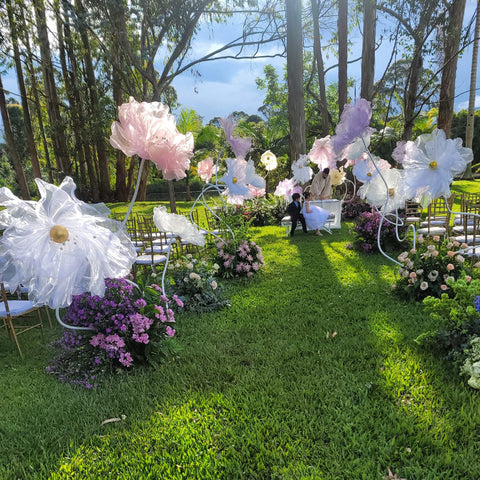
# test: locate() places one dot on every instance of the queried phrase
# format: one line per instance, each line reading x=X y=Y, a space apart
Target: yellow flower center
x=234 y=180
x=433 y=165
x=369 y=174
x=59 y=234
x=391 y=192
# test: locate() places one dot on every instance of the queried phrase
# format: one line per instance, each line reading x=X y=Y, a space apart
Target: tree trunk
x=53 y=105
x=449 y=71
x=296 y=105
x=23 y=93
x=142 y=189
x=342 y=26
x=368 y=48
x=317 y=53
x=471 y=97
x=36 y=102
x=171 y=196
x=12 y=151
x=94 y=104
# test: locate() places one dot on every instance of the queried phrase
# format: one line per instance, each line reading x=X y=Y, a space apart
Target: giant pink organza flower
x=354 y=122
x=240 y=146
x=322 y=153
x=286 y=188
x=149 y=130
x=205 y=169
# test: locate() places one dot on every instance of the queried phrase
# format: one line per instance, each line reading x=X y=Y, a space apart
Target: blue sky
x=228 y=85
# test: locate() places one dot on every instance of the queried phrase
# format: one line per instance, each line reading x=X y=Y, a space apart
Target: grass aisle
x=259 y=392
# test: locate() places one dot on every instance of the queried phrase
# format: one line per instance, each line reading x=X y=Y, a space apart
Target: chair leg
x=48 y=316
x=13 y=335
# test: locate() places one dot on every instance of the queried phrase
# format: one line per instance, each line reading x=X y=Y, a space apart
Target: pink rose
x=450 y=267
x=443 y=287
x=436 y=238
x=413 y=275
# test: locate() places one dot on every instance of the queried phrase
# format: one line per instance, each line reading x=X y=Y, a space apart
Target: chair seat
x=468 y=239
x=412 y=219
x=459 y=230
x=433 y=231
x=16 y=307
x=148 y=260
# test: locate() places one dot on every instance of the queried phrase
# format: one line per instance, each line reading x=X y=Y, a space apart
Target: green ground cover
x=258 y=390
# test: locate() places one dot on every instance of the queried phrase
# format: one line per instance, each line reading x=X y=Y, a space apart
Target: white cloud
x=464 y=105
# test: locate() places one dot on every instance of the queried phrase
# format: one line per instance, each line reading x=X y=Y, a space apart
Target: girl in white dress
x=315 y=216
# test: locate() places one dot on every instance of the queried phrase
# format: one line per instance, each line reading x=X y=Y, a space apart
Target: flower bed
x=239 y=260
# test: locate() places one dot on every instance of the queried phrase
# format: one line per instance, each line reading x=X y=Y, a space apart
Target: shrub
x=127 y=328
x=353 y=207
x=195 y=283
x=242 y=259
x=365 y=233
x=427 y=268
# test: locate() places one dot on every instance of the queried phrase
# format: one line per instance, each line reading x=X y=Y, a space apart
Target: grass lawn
x=259 y=391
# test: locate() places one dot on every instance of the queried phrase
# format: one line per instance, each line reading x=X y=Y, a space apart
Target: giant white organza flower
x=386 y=191
x=367 y=167
x=302 y=173
x=205 y=169
x=179 y=225
x=149 y=130
x=286 y=188
x=240 y=146
x=268 y=160
x=430 y=164
x=354 y=122
x=322 y=153
x=17 y=210
x=62 y=247
x=358 y=148
x=253 y=179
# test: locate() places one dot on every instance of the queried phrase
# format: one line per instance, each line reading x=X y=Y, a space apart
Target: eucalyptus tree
x=417 y=21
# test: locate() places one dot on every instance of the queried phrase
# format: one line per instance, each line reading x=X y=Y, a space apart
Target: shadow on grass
x=259 y=391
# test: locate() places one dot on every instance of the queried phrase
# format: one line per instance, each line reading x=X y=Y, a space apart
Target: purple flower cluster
x=122 y=323
x=244 y=259
x=366 y=232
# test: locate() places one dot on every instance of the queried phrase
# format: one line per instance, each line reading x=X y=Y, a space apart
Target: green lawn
x=259 y=391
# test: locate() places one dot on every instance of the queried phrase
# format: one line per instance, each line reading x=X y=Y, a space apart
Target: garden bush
x=352 y=207
x=428 y=267
x=128 y=327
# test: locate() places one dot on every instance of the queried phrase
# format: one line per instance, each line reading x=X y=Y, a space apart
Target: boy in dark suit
x=294 y=209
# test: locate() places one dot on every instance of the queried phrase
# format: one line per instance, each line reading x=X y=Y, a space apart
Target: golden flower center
x=433 y=165
x=234 y=180
x=59 y=234
x=391 y=192
x=369 y=174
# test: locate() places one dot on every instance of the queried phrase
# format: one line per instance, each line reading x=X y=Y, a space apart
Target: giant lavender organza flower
x=148 y=130
x=354 y=122
x=179 y=225
x=302 y=173
x=240 y=146
x=62 y=247
x=286 y=188
x=367 y=167
x=322 y=153
x=358 y=148
x=268 y=160
x=430 y=164
x=386 y=191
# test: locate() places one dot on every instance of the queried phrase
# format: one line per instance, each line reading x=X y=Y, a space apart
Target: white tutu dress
x=316 y=218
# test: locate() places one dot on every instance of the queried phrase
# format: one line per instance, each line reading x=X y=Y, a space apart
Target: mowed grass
x=258 y=390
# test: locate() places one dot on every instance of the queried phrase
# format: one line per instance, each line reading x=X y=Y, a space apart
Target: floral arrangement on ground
x=238 y=259
x=365 y=233
x=129 y=326
x=427 y=268
x=194 y=282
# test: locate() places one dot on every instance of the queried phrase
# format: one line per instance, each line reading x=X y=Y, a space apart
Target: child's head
x=325 y=172
x=306 y=195
x=295 y=196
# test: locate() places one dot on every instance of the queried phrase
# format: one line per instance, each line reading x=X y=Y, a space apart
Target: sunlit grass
x=260 y=391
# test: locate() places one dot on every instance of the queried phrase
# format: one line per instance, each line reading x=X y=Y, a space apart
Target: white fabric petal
x=302 y=173
x=96 y=248
x=386 y=191
x=178 y=225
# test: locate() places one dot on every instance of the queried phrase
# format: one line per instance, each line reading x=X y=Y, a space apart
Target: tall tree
x=12 y=151
x=473 y=85
x=342 y=26
x=296 y=104
x=57 y=125
x=23 y=91
x=368 y=48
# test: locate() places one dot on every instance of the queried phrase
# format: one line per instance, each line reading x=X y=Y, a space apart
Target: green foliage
x=455 y=319
x=194 y=282
x=428 y=268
